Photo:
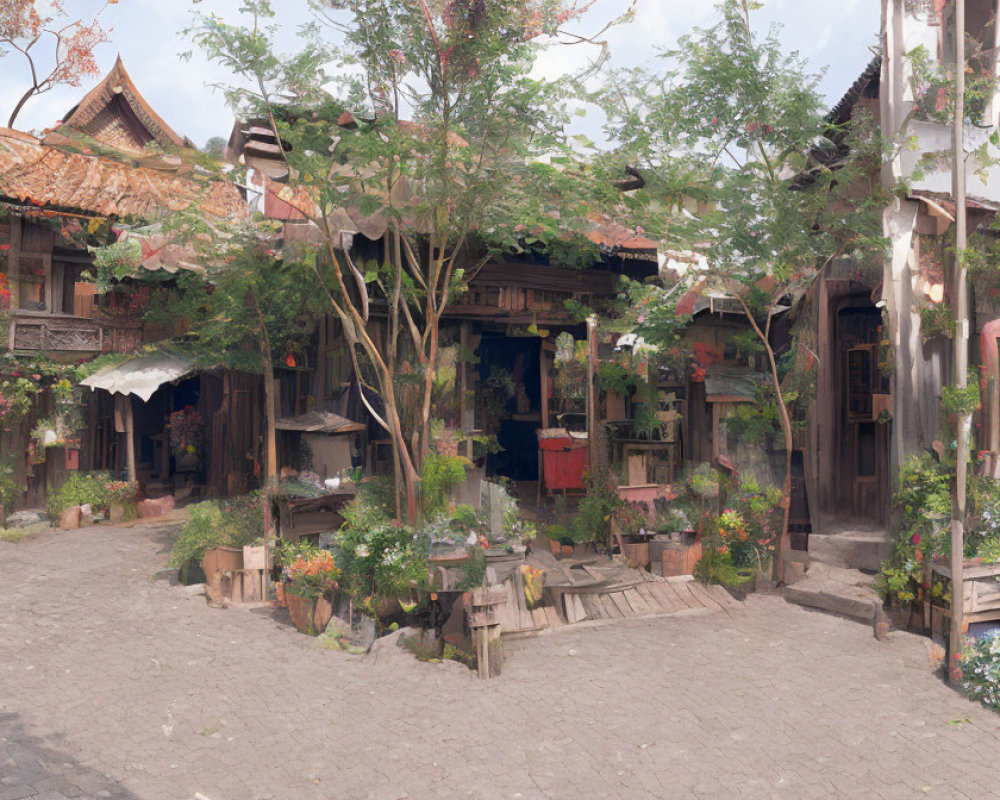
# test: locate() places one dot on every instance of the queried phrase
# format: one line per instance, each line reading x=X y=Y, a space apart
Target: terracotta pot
x=309 y=614
x=221 y=559
x=555 y=547
x=279 y=594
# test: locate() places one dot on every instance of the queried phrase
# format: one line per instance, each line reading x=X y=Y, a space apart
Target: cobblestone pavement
x=113 y=685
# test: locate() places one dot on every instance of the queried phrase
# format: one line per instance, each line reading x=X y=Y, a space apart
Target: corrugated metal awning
x=318 y=422
x=140 y=376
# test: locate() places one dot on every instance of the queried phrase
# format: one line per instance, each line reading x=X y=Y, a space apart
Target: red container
x=564 y=461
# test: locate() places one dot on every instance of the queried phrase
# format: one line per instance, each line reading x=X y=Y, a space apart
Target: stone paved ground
x=112 y=685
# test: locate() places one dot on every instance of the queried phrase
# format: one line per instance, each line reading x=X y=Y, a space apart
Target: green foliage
x=923 y=496
x=960 y=401
x=16 y=399
x=980 y=665
x=115 y=262
x=230 y=522
x=936 y=319
x=592 y=521
x=933 y=84
x=440 y=476
x=379 y=557
x=704 y=480
x=716 y=567
x=96 y=489
x=10 y=487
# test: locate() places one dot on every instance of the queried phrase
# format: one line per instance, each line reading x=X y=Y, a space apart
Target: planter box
x=680 y=559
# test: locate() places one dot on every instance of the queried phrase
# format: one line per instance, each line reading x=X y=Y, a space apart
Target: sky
x=148 y=35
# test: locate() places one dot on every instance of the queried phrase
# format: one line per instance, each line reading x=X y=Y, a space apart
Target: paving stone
x=115 y=686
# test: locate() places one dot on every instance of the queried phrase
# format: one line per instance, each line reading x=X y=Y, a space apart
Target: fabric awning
x=140 y=376
x=318 y=422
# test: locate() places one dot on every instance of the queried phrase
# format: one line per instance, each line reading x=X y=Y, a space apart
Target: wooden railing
x=34 y=331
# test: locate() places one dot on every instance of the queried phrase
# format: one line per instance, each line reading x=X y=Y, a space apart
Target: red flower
x=916 y=538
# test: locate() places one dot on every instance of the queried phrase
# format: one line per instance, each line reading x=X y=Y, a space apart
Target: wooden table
x=300 y=517
x=981 y=595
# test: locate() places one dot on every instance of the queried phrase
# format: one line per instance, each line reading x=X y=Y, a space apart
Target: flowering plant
x=121 y=491
x=312 y=575
x=5 y=293
x=16 y=397
x=980 y=666
x=187 y=431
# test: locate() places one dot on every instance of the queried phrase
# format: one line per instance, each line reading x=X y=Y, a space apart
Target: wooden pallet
x=598 y=589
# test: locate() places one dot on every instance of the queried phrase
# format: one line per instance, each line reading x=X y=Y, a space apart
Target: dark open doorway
x=516 y=362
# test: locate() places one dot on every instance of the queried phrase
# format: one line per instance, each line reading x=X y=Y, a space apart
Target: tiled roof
x=35 y=173
x=105 y=109
x=841 y=112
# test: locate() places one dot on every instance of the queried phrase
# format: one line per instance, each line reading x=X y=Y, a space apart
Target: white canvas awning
x=140 y=376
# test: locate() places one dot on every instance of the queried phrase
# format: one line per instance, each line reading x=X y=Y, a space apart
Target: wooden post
x=960 y=298
x=129 y=437
x=591 y=404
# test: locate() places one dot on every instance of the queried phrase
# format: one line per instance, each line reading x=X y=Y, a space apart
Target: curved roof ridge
x=118 y=83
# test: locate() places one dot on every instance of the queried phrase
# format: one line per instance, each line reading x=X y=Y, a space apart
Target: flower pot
x=221 y=559
x=555 y=547
x=309 y=614
x=279 y=595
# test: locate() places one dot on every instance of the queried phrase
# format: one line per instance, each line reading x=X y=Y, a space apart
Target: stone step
x=847 y=592
x=863 y=549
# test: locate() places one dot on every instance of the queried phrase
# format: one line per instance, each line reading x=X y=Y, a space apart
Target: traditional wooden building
x=112 y=162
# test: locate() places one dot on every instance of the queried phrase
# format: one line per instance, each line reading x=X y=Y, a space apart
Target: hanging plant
x=16 y=398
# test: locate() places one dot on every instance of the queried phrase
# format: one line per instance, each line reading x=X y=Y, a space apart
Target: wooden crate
x=680 y=560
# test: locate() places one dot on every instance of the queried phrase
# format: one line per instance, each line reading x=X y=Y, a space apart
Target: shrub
x=96 y=489
x=980 y=664
x=378 y=556
x=923 y=496
x=232 y=522
x=716 y=566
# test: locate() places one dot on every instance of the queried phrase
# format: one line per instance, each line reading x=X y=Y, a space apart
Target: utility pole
x=960 y=300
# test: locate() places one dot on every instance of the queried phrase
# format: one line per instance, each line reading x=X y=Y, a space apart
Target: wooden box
x=680 y=559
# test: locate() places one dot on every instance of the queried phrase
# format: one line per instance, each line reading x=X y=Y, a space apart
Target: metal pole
x=961 y=345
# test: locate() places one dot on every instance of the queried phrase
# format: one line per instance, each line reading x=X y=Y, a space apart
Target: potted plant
x=215 y=534
x=310 y=581
x=187 y=433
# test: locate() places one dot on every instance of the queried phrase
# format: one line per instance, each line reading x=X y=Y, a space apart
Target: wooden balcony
x=40 y=331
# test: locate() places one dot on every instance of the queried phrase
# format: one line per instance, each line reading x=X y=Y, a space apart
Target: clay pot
x=279 y=594
x=221 y=559
x=309 y=614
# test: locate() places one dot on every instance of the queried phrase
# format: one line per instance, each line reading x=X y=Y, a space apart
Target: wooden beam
x=129 y=438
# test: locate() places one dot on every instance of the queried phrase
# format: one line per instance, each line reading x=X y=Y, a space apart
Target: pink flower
x=916 y=538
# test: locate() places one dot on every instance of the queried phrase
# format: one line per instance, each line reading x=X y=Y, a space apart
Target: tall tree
x=740 y=165
x=57 y=47
x=480 y=166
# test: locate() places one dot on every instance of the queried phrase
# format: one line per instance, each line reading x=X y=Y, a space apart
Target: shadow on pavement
x=30 y=767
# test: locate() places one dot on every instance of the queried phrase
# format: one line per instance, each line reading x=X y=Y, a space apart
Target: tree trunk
x=271 y=468
x=786 y=429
